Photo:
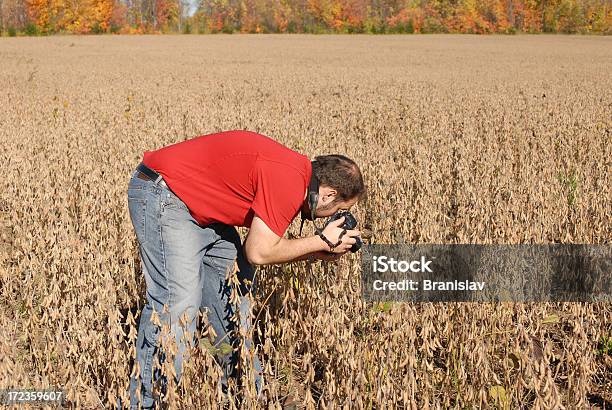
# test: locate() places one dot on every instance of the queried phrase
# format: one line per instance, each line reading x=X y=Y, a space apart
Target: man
x=184 y=201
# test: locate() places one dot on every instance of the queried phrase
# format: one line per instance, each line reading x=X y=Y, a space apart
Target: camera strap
x=327 y=241
x=313 y=199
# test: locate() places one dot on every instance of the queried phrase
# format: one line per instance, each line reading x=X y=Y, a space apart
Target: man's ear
x=327 y=194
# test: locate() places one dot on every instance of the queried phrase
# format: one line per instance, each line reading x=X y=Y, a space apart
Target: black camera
x=349 y=223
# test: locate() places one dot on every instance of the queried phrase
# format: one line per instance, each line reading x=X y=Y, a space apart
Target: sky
x=193 y=7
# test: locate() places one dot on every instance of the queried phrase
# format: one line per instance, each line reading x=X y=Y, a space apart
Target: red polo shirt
x=229 y=176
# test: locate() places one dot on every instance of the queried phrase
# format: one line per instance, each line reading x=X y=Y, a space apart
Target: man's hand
x=333 y=231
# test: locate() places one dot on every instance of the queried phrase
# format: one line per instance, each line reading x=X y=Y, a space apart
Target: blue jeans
x=184 y=266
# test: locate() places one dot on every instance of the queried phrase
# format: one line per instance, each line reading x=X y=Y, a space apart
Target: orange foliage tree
x=255 y=16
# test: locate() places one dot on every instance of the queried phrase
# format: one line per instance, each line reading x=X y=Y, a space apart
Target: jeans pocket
x=138 y=212
x=170 y=200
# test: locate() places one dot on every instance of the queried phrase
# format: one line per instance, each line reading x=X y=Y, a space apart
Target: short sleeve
x=279 y=194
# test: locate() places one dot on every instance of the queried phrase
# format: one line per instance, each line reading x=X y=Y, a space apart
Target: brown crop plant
x=462 y=139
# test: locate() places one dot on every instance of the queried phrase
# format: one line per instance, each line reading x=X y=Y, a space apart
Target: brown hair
x=340 y=173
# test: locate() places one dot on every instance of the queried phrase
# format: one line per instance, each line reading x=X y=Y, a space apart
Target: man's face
x=327 y=205
x=326 y=210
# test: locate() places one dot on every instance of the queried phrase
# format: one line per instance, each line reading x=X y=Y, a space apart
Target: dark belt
x=146 y=173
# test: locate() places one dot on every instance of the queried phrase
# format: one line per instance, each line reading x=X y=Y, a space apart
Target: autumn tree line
x=41 y=17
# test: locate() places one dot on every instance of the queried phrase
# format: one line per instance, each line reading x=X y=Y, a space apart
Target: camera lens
x=357 y=245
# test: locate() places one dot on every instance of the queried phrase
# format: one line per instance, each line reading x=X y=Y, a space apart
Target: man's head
x=340 y=184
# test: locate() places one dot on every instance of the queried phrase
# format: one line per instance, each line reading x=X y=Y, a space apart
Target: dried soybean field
x=461 y=139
